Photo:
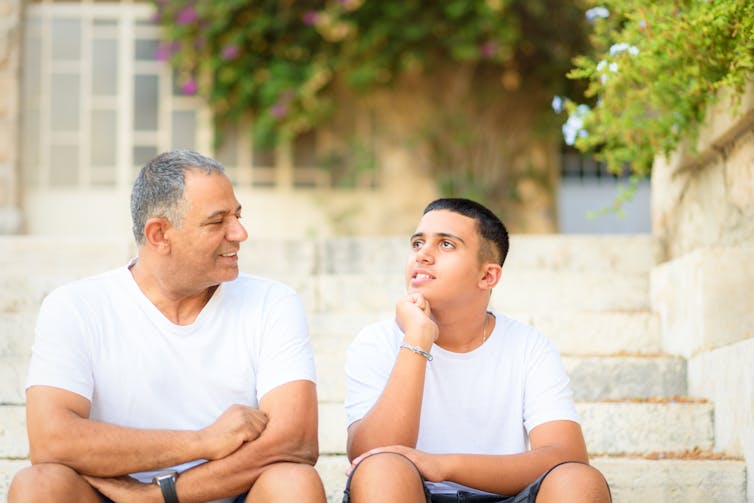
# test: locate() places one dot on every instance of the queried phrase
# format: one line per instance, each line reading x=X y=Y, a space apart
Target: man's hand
x=429 y=465
x=414 y=317
x=126 y=489
x=238 y=424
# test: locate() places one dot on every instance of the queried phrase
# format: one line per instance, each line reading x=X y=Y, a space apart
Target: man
x=173 y=363
x=452 y=402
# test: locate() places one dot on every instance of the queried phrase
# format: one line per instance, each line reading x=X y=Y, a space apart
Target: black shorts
x=239 y=499
x=527 y=495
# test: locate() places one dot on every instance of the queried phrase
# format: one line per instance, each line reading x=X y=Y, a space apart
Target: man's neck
x=180 y=306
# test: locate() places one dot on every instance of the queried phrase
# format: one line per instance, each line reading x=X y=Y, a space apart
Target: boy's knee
x=576 y=478
x=381 y=473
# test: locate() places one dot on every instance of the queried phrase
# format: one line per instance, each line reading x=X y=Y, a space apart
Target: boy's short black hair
x=494 y=243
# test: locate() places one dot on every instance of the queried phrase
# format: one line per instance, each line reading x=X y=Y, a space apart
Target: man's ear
x=491 y=273
x=155 y=233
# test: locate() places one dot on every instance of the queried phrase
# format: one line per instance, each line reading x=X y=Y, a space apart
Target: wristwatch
x=166 y=482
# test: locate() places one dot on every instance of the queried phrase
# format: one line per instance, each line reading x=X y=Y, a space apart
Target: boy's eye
x=447 y=244
x=416 y=244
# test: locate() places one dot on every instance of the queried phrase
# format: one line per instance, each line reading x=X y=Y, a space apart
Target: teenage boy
x=452 y=402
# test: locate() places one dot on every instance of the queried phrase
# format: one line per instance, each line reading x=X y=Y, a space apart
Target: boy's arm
x=551 y=443
x=60 y=431
x=394 y=418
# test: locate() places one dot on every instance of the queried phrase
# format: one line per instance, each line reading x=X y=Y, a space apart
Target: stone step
x=530 y=291
x=575 y=333
x=348 y=255
x=609 y=427
x=592 y=377
x=518 y=291
x=630 y=478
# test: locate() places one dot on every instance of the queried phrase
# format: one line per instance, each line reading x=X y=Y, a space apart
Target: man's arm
x=551 y=443
x=394 y=418
x=60 y=431
x=290 y=436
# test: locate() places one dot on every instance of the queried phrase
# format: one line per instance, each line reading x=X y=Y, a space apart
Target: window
x=97 y=103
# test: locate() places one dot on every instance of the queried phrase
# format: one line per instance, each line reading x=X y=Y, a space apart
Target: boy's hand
x=414 y=317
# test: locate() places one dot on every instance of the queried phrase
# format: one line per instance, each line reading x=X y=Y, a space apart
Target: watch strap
x=166 y=483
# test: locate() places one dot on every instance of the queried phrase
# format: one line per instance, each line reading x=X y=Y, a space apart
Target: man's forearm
x=238 y=472
x=106 y=450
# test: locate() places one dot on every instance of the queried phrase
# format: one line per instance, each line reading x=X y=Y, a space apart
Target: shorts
x=527 y=495
x=239 y=499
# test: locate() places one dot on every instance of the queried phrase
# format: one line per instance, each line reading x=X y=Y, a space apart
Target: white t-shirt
x=481 y=402
x=103 y=339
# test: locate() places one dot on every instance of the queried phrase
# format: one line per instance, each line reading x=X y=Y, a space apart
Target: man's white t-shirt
x=481 y=402
x=103 y=339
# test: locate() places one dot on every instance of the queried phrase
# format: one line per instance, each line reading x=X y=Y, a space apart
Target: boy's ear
x=155 y=234
x=491 y=273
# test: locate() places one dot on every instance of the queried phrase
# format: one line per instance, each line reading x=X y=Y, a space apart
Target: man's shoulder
x=89 y=285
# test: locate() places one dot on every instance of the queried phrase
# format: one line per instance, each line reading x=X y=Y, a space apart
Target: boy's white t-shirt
x=101 y=338
x=481 y=402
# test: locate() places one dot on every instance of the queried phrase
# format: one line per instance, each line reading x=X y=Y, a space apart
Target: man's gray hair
x=158 y=190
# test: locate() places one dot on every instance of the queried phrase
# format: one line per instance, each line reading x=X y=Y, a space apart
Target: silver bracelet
x=418 y=351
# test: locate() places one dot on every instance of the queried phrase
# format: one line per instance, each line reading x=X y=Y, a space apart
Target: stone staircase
x=590 y=295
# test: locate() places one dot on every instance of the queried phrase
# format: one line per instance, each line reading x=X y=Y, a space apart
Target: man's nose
x=236 y=231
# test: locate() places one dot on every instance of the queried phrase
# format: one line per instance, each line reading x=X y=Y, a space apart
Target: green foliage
x=654 y=69
x=279 y=60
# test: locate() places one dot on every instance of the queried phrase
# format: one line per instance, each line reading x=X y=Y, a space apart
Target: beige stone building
x=84 y=103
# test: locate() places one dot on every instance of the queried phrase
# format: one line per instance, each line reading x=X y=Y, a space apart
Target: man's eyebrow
x=440 y=234
x=218 y=213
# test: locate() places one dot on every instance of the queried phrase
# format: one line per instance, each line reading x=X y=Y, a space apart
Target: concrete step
x=518 y=291
x=592 y=377
x=574 y=333
x=631 y=479
x=348 y=255
x=13 y=441
x=609 y=427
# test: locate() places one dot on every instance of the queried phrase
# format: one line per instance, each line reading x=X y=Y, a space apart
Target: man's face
x=444 y=263
x=205 y=247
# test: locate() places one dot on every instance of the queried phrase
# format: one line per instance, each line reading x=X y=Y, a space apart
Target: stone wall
x=10 y=35
x=703 y=219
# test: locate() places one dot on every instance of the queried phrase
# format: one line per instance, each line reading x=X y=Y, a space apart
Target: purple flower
x=187 y=15
x=164 y=51
x=189 y=86
x=310 y=17
x=279 y=110
x=230 y=52
x=488 y=50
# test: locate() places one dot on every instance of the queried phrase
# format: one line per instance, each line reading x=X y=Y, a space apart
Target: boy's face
x=444 y=263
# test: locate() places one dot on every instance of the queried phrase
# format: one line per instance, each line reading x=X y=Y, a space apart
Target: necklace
x=484 y=327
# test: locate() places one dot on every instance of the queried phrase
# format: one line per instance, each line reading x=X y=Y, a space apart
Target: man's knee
x=575 y=479
x=288 y=482
x=49 y=482
x=381 y=473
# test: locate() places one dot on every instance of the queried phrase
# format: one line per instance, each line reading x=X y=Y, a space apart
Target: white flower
x=574 y=126
x=557 y=104
x=621 y=47
x=597 y=12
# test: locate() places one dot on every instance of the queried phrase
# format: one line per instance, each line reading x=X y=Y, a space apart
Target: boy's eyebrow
x=440 y=234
